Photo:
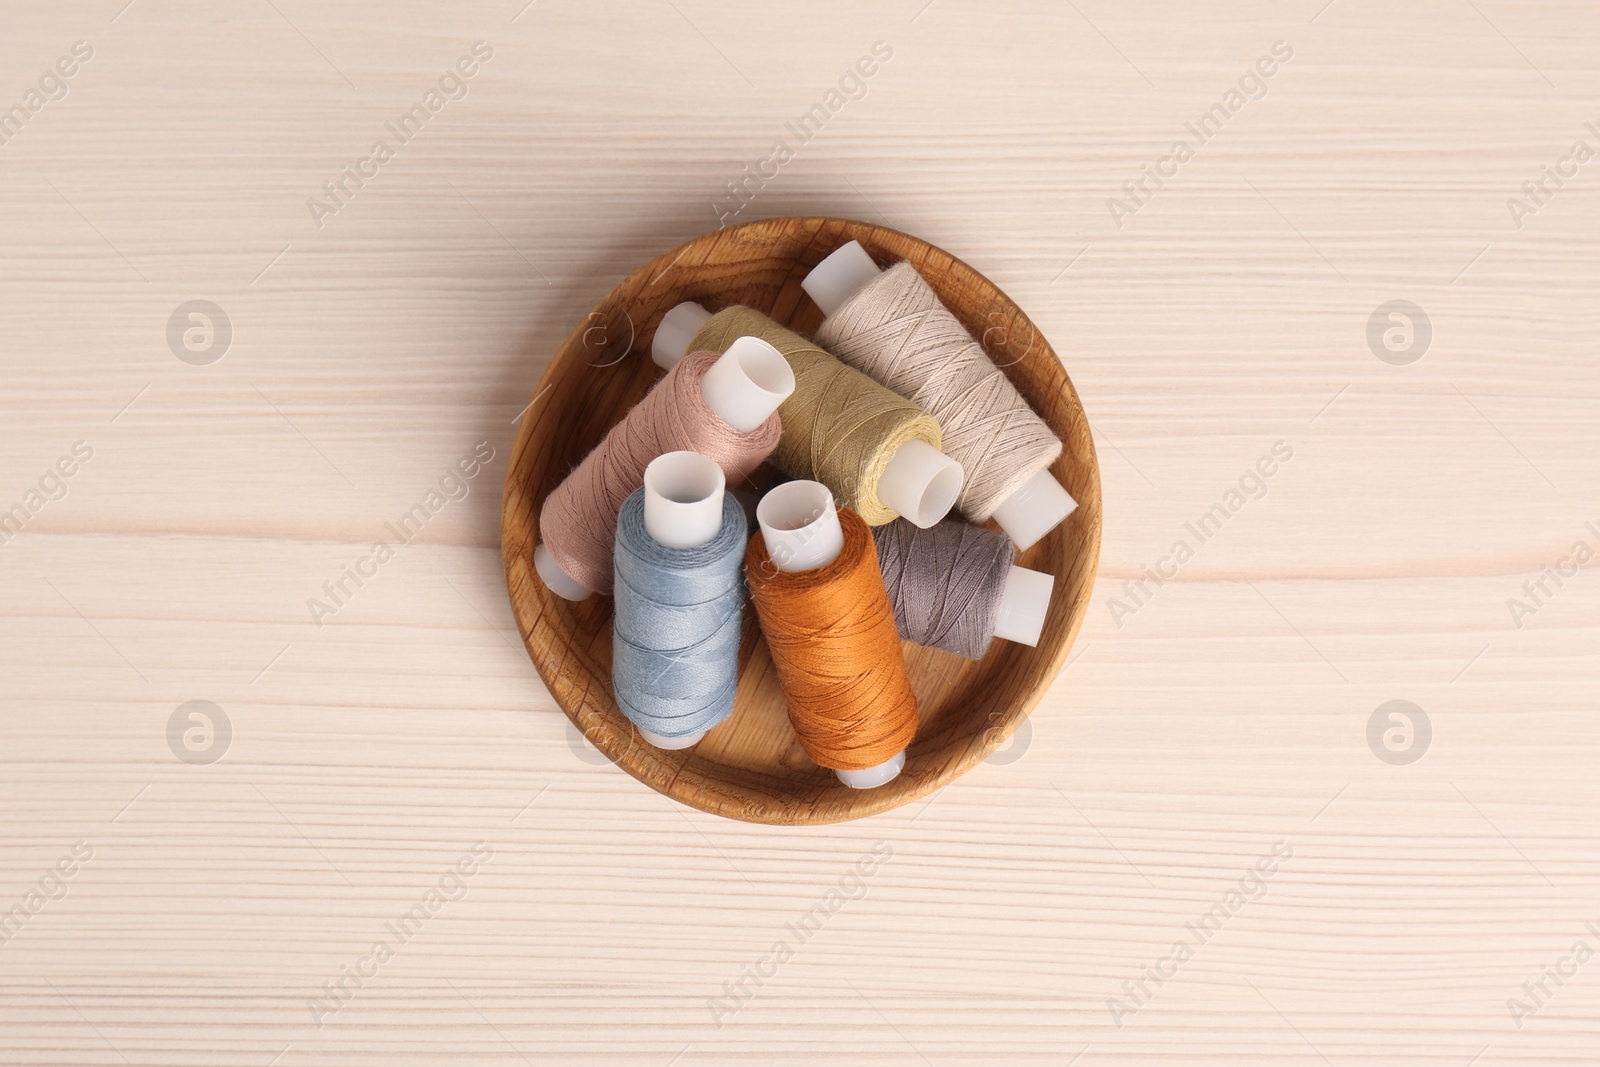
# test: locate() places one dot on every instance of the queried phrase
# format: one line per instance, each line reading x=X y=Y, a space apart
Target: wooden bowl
x=751 y=767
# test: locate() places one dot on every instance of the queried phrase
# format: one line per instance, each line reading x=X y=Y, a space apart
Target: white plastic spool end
x=671 y=744
x=801 y=528
x=677 y=329
x=873 y=777
x=920 y=483
x=836 y=278
x=557 y=580
x=1024 y=603
x=1034 y=510
x=683 y=499
x=747 y=383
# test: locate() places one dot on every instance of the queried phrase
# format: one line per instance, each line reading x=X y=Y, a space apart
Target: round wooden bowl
x=751 y=767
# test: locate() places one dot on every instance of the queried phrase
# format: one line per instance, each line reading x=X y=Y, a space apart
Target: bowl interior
x=751 y=767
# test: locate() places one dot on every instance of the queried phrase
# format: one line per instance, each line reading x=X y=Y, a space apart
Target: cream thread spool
x=1030 y=510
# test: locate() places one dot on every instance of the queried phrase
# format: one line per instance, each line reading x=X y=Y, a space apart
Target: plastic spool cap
x=801 y=527
x=683 y=499
x=670 y=744
x=1024 y=603
x=557 y=580
x=921 y=483
x=677 y=329
x=747 y=383
x=1034 y=510
x=873 y=777
x=835 y=279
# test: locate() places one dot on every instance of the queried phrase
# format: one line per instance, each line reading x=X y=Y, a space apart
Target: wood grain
x=1175 y=749
x=751 y=765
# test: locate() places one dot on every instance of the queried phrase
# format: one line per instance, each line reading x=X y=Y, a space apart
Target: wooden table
x=1219 y=842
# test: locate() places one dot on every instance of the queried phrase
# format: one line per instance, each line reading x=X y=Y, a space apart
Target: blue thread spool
x=679 y=600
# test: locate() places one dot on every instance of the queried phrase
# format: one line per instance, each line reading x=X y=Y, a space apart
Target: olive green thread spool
x=877 y=452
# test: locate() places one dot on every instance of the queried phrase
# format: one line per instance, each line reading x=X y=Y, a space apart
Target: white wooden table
x=166 y=910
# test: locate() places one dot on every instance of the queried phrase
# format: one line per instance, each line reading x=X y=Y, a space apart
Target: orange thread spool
x=833 y=640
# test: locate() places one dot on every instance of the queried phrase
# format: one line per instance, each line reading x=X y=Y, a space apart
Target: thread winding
x=579 y=520
x=833 y=641
x=945 y=583
x=840 y=427
x=675 y=638
x=895 y=330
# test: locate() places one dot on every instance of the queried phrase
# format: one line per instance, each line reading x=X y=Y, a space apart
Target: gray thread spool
x=675 y=643
x=946 y=583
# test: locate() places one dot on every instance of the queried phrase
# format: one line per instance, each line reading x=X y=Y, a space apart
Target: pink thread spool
x=722 y=406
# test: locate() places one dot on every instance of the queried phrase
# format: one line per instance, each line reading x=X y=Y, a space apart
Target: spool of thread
x=877 y=451
x=723 y=406
x=891 y=326
x=814 y=579
x=679 y=596
x=955 y=587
